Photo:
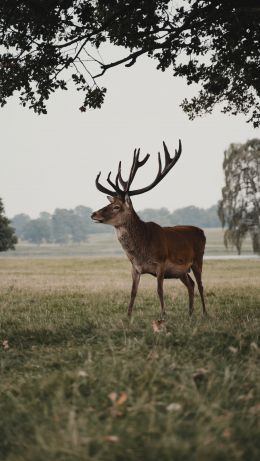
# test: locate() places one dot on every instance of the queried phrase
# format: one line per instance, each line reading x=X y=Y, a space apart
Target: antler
x=125 y=184
x=169 y=163
x=135 y=165
x=116 y=187
x=104 y=189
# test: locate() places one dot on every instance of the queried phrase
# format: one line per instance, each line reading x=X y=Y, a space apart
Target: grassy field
x=107 y=245
x=80 y=382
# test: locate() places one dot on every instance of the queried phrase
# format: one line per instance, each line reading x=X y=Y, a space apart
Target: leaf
x=227 y=433
x=175 y=406
x=112 y=396
x=122 y=398
x=200 y=373
x=232 y=349
x=112 y=438
x=254 y=346
x=158 y=326
x=82 y=374
x=5 y=344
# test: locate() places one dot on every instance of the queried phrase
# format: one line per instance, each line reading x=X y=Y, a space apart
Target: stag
x=164 y=252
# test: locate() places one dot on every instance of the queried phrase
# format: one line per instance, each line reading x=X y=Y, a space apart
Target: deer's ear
x=110 y=199
x=128 y=201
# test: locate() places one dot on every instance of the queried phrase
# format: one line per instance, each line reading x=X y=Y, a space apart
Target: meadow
x=79 y=381
x=106 y=244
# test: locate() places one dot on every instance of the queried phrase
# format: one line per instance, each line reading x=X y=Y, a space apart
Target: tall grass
x=81 y=382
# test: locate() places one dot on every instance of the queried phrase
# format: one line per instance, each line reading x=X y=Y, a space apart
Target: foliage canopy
x=7 y=235
x=45 y=44
x=239 y=208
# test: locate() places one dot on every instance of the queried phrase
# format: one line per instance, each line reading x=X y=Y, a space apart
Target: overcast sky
x=51 y=161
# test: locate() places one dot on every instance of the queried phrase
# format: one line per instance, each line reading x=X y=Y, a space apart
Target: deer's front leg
x=135 y=283
x=160 y=279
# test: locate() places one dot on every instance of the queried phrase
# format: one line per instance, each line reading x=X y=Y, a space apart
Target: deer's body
x=164 y=252
x=152 y=248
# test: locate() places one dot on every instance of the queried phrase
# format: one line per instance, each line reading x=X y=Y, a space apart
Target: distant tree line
x=62 y=227
x=189 y=215
x=74 y=225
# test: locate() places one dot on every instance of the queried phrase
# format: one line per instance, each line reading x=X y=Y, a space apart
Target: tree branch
x=131 y=57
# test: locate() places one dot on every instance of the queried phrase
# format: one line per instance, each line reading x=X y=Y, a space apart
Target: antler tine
x=144 y=160
x=140 y=163
x=122 y=182
x=169 y=162
x=117 y=183
x=111 y=183
x=103 y=189
x=166 y=152
x=160 y=165
x=178 y=152
x=132 y=173
x=135 y=165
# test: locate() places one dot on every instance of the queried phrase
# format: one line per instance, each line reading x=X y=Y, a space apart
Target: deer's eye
x=116 y=207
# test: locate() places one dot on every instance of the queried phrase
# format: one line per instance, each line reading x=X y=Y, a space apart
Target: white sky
x=51 y=161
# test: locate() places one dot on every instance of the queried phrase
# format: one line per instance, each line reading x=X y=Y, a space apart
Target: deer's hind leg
x=160 y=279
x=188 y=282
x=197 y=274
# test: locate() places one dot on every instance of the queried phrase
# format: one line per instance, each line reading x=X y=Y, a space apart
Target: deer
x=164 y=252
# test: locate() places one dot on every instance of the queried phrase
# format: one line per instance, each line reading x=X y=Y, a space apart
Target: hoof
x=163 y=316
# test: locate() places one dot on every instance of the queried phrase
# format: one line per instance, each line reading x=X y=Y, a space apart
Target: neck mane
x=132 y=235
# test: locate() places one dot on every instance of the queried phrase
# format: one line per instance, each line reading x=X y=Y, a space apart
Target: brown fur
x=165 y=252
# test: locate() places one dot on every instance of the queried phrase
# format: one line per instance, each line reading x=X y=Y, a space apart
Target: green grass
x=80 y=382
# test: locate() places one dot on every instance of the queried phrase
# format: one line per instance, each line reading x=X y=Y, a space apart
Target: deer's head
x=116 y=213
x=120 y=206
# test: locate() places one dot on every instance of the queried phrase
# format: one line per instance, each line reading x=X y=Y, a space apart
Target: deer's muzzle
x=95 y=217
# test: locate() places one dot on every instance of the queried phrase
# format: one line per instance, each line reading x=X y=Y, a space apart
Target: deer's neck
x=131 y=235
